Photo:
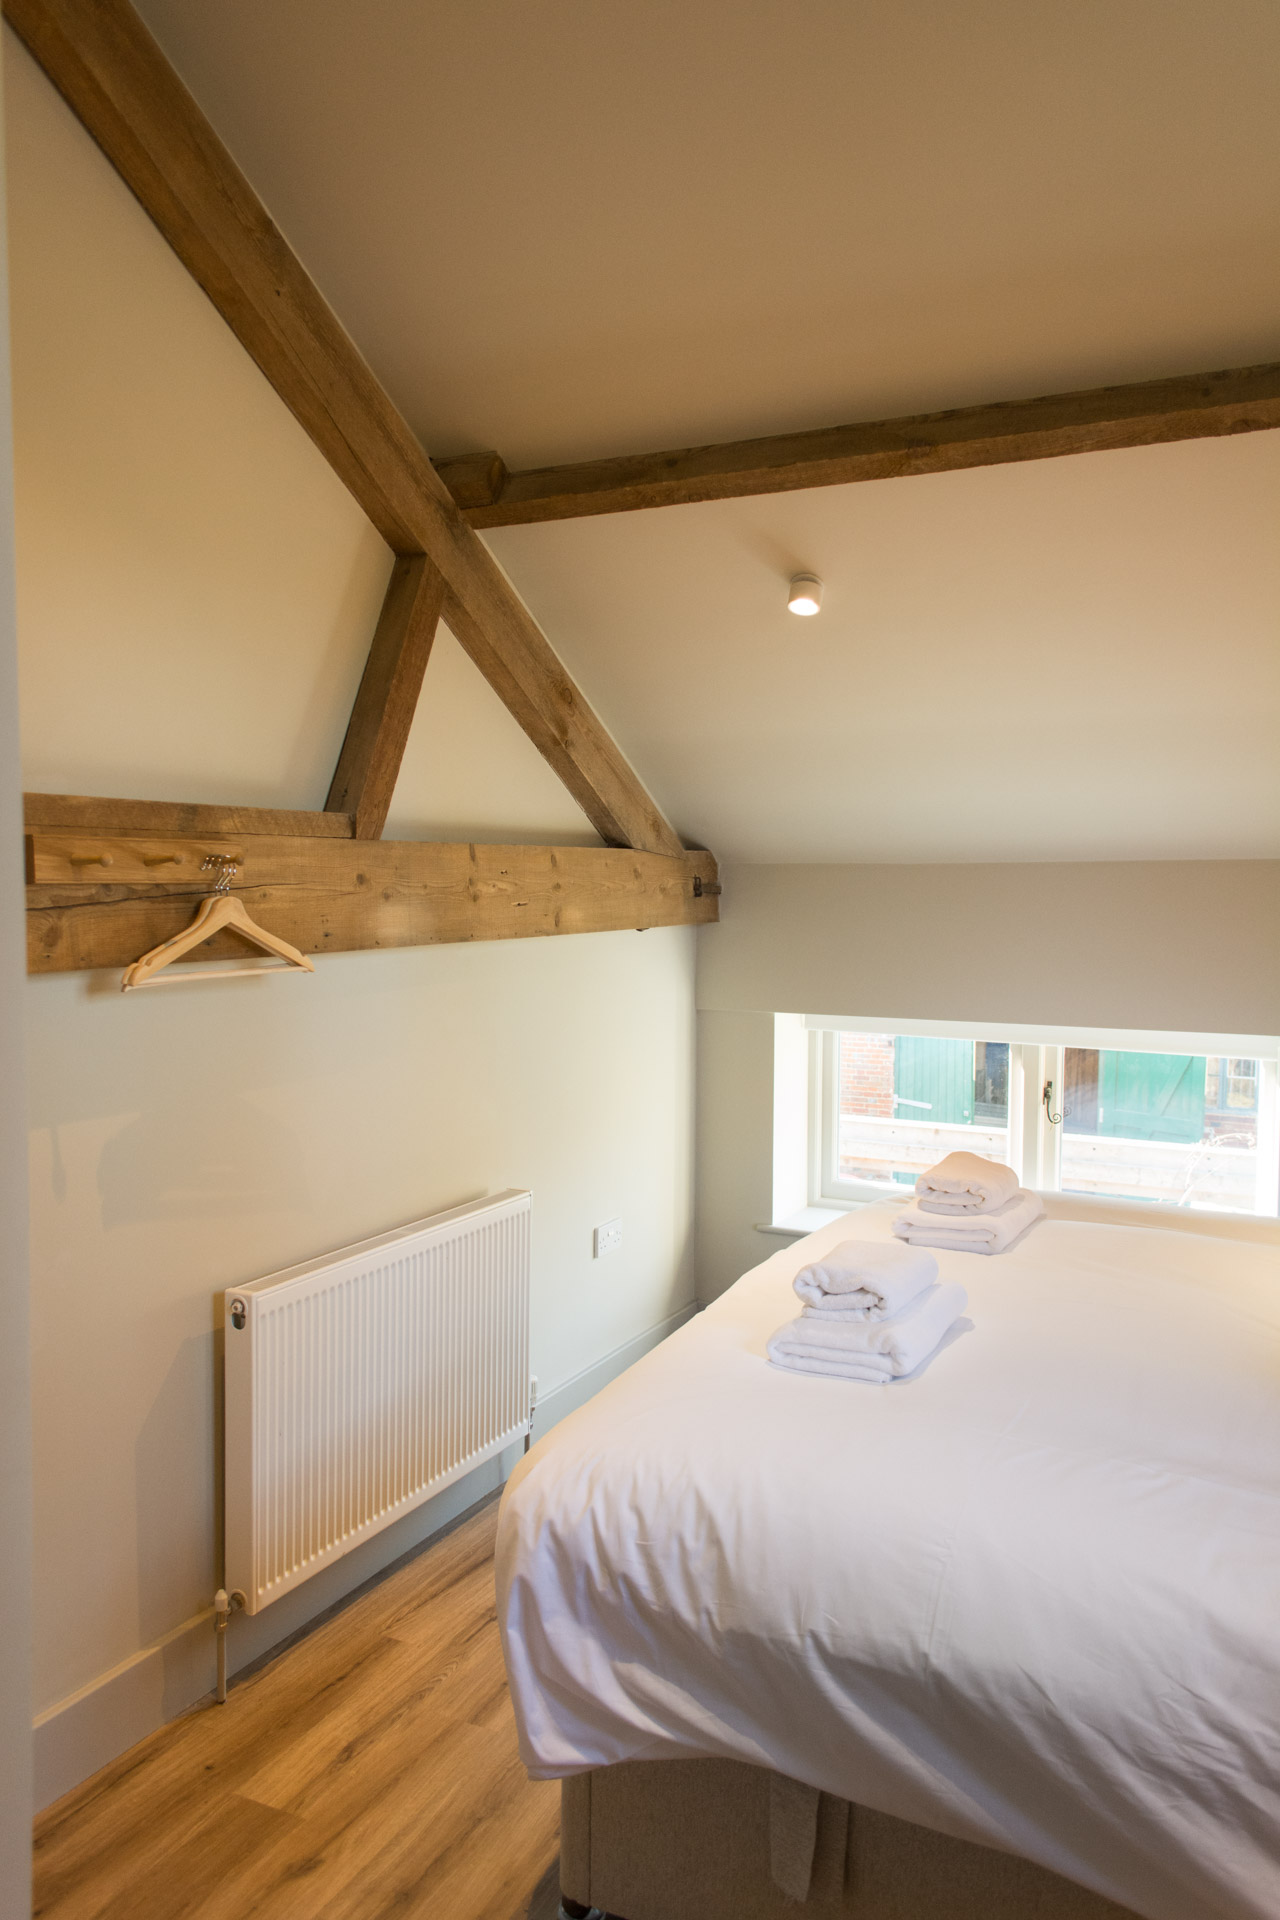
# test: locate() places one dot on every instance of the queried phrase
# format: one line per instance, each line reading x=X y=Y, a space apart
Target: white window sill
x=807 y=1220
x=1103 y=1210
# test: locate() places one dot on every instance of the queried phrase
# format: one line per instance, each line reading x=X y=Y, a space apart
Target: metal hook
x=1046 y=1100
x=226 y=870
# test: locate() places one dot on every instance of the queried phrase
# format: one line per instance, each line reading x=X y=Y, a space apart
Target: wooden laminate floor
x=370 y=1770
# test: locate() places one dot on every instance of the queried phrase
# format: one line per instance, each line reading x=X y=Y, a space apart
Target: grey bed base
x=718 y=1840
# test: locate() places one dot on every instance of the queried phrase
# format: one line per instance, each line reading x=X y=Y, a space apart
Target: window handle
x=1046 y=1101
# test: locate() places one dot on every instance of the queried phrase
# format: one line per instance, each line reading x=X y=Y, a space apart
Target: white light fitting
x=805 y=593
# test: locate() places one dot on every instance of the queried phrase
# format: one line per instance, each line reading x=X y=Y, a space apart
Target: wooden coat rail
x=109 y=879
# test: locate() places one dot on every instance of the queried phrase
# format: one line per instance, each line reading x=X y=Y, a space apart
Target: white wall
x=15 y=1448
x=735 y=1145
x=186 y=1141
x=196 y=595
x=1183 y=946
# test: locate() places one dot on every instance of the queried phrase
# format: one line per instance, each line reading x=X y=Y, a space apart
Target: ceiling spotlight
x=805 y=594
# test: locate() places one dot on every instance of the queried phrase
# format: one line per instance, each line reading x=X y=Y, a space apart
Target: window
x=902 y=1101
x=1242 y=1085
x=1141 y=1126
x=1189 y=1126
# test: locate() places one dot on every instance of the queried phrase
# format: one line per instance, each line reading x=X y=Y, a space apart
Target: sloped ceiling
x=1072 y=659
x=571 y=229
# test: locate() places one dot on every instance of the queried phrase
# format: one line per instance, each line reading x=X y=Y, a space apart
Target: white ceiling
x=571 y=229
x=1071 y=659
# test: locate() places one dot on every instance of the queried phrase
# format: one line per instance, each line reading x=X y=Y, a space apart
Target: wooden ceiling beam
x=378 y=732
x=101 y=58
x=1152 y=412
x=474 y=479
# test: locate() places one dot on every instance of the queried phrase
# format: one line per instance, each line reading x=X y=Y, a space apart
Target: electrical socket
x=607 y=1236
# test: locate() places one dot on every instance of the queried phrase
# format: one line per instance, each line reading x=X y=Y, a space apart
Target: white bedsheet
x=1030 y=1597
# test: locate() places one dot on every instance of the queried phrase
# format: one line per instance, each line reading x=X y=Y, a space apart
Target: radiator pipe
x=224 y=1605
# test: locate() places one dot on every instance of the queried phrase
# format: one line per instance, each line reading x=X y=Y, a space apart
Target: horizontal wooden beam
x=92 y=814
x=1194 y=407
x=113 y=75
x=102 y=900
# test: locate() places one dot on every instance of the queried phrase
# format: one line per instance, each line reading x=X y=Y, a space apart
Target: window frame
x=1035 y=1142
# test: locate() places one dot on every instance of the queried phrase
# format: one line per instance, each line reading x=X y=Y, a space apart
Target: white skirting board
x=101 y=1721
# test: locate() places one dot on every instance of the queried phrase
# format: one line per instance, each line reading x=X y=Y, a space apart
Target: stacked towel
x=971 y=1232
x=864 y=1280
x=872 y=1311
x=965 y=1183
x=875 y=1350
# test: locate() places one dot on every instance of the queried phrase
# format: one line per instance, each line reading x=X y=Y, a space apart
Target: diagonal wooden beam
x=111 y=72
x=1196 y=406
x=378 y=732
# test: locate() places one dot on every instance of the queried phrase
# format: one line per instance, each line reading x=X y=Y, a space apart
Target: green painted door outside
x=933 y=1081
x=1151 y=1096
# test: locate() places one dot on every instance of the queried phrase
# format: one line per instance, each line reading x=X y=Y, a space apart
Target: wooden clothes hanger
x=220 y=909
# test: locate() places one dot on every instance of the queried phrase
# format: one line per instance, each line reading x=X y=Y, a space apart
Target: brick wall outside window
x=866 y=1075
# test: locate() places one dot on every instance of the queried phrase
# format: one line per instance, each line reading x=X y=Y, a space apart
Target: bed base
x=710 y=1839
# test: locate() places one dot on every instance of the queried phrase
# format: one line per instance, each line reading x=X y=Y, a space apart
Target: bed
x=1025 y=1604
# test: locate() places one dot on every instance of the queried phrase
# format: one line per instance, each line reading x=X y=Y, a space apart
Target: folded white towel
x=965 y=1183
x=870 y=1350
x=864 y=1280
x=972 y=1232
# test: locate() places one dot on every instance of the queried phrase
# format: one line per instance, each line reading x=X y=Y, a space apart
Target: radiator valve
x=224 y=1605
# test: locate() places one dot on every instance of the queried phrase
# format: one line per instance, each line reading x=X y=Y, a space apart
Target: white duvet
x=1029 y=1597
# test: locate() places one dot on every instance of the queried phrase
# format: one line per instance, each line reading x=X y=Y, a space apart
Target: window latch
x=1046 y=1101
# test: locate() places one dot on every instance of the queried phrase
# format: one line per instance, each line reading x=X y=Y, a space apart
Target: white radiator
x=360 y=1384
